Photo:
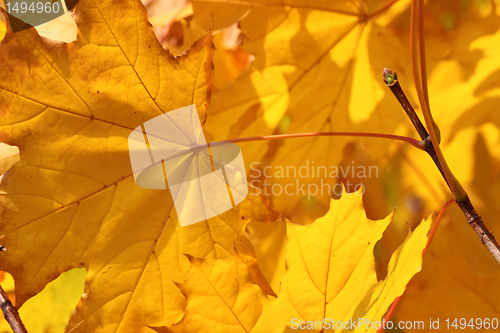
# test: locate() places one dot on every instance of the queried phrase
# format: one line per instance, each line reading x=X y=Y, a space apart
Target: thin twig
x=11 y=314
x=476 y=222
x=473 y=218
x=391 y=79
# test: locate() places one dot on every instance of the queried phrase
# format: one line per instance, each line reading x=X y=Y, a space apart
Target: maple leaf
x=330 y=274
x=71 y=201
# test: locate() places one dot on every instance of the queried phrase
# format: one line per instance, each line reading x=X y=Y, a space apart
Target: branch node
x=472 y=218
x=487 y=233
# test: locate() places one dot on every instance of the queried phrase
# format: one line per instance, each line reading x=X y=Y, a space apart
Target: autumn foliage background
x=278 y=67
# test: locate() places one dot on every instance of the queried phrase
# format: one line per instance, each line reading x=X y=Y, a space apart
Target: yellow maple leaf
x=72 y=201
x=330 y=278
x=331 y=269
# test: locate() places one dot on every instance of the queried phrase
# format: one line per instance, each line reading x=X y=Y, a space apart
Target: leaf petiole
x=415 y=143
x=419 y=75
x=393 y=306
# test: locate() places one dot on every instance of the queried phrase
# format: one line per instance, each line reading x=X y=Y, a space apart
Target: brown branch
x=473 y=218
x=476 y=222
x=391 y=79
x=11 y=314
